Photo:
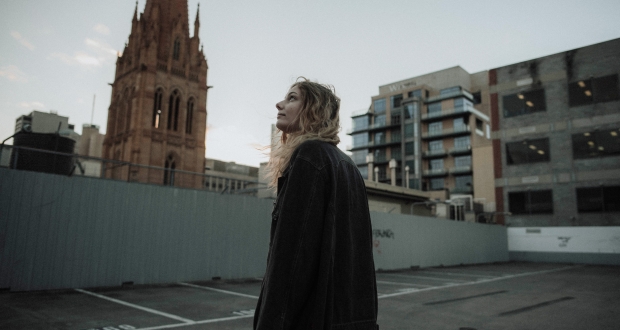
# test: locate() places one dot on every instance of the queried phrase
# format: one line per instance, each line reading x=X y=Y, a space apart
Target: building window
x=176 y=49
x=435 y=145
x=459 y=125
x=359 y=157
x=169 y=171
x=437 y=184
x=379 y=120
x=360 y=122
x=460 y=104
x=436 y=164
x=382 y=173
x=412 y=110
x=379 y=138
x=462 y=142
x=379 y=156
x=395 y=119
x=363 y=171
x=598 y=199
x=395 y=101
x=395 y=135
x=451 y=90
x=173 y=110
x=416 y=93
x=593 y=90
x=409 y=148
x=360 y=139
x=434 y=108
x=524 y=103
x=479 y=125
x=157 y=107
x=477 y=97
x=462 y=161
x=528 y=151
x=410 y=163
x=380 y=106
x=531 y=202
x=396 y=153
x=409 y=130
x=190 y=116
x=435 y=128
x=596 y=144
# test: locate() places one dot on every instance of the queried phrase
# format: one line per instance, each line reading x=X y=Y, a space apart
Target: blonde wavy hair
x=319 y=119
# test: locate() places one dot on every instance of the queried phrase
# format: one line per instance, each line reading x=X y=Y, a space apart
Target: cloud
x=99 y=54
x=17 y=36
x=100 y=47
x=100 y=28
x=13 y=73
x=31 y=105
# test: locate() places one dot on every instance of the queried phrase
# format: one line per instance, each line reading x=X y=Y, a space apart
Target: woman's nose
x=278 y=106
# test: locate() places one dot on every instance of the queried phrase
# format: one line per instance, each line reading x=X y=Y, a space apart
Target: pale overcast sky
x=54 y=55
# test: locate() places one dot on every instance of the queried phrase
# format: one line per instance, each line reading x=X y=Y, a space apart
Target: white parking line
x=170 y=326
x=479 y=281
x=146 y=309
x=405 y=284
x=456 y=274
x=218 y=290
x=427 y=278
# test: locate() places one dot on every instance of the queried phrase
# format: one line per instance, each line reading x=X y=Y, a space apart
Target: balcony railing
x=460 y=150
x=371 y=144
x=435 y=172
x=460 y=170
x=449 y=96
x=446 y=113
x=448 y=131
x=434 y=153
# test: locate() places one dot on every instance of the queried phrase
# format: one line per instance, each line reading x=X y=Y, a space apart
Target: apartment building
x=556 y=138
x=430 y=133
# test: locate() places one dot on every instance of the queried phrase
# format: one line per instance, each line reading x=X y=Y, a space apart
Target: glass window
x=359 y=157
x=409 y=148
x=528 y=151
x=462 y=161
x=360 y=122
x=380 y=106
x=435 y=145
x=598 y=199
x=524 y=103
x=379 y=137
x=459 y=125
x=463 y=183
x=598 y=143
x=379 y=120
x=531 y=202
x=409 y=130
x=462 y=142
x=477 y=97
x=594 y=90
x=363 y=171
x=434 y=108
x=450 y=90
x=396 y=153
x=435 y=128
x=379 y=155
x=411 y=166
x=360 y=139
x=395 y=119
x=435 y=164
x=412 y=110
x=395 y=135
x=416 y=93
x=382 y=172
x=395 y=101
x=437 y=184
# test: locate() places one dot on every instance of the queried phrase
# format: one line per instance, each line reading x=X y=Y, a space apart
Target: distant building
x=430 y=133
x=157 y=117
x=556 y=138
x=47 y=122
x=91 y=144
x=230 y=177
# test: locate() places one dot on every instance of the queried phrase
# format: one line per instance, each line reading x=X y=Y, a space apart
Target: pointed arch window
x=190 y=116
x=169 y=171
x=176 y=50
x=159 y=93
x=173 y=110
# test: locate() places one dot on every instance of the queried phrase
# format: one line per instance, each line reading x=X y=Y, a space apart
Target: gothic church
x=157 y=115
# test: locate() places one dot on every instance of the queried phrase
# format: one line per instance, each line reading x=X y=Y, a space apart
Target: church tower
x=158 y=110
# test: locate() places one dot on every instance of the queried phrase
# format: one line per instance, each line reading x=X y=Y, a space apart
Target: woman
x=320 y=270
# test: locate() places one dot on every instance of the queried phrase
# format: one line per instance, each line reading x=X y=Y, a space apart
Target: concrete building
x=230 y=177
x=158 y=115
x=430 y=133
x=91 y=145
x=556 y=138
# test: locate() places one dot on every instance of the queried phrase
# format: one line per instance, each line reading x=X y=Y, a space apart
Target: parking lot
x=491 y=296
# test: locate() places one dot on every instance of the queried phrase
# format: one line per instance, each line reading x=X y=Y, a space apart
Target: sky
x=55 y=55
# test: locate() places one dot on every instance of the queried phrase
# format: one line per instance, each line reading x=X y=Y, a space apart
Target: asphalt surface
x=493 y=296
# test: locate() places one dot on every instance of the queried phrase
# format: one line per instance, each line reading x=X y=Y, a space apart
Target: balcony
x=462 y=150
x=460 y=170
x=435 y=172
x=450 y=96
x=435 y=153
x=459 y=130
x=372 y=144
x=447 y=113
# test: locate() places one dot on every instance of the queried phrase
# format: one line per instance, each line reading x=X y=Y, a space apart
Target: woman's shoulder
x=320 y=153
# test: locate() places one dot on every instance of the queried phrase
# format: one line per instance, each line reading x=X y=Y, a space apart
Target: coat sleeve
x=294 y=261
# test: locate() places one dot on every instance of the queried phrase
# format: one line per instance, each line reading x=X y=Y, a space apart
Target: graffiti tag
x=381 y=233
x=563 y=241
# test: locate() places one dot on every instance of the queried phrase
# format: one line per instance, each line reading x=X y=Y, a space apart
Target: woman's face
x=289 y=110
